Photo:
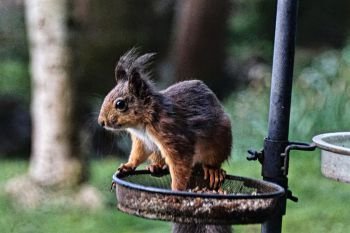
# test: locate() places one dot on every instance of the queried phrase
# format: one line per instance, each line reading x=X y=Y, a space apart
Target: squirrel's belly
x=145 y=138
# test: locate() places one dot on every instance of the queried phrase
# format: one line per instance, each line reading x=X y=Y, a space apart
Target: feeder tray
x=246 y=200
x=335 y=155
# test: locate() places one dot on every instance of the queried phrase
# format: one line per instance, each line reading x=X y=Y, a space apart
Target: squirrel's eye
x=121 y=105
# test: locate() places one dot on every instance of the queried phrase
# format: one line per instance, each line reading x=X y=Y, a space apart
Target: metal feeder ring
x=335 y=155
x=246 y=200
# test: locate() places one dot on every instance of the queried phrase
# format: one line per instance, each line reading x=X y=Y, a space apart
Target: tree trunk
x=55 y=158
x=56 y=163
x=200 y=32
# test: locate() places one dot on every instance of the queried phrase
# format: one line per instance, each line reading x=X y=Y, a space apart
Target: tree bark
x=57 y=169
x=199 y=43
x=55 y=158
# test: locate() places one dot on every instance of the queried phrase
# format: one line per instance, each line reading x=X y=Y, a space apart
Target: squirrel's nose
x=101 y=121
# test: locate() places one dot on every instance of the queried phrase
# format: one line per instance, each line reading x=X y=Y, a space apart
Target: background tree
x=199 y=44
x=56 y=162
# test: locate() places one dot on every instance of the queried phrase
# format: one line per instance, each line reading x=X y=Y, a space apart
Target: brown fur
x=181 y=126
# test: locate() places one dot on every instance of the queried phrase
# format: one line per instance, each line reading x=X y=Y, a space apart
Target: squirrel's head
x=126 y=104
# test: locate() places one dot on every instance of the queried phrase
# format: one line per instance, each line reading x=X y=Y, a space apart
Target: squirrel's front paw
x=216 y=176
x=126 y=168
x=157 y=169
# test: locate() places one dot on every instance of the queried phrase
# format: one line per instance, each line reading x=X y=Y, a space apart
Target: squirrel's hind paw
x=158 y=169
x=216 y=176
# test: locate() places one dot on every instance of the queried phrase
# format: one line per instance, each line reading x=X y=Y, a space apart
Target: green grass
x=60 y=220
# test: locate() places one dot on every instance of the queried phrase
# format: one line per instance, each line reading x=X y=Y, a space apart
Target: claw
x=125 y=168
x=113 y=186
x=222 y=176
x=217 y=179
x=157 y=169
x=212 y=178
x=216 y=176
x=206 y=173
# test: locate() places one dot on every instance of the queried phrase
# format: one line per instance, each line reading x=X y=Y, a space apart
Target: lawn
x=67 y=219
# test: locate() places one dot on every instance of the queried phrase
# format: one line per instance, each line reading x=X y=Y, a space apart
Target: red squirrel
x=179 y=127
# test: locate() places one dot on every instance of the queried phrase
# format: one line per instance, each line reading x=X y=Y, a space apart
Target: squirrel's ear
x=137 y=85
x=137 y=72
x=124 y=64
x=120 y=74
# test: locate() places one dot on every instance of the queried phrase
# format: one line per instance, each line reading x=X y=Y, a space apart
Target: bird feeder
x=335 y=155
x=241 y=201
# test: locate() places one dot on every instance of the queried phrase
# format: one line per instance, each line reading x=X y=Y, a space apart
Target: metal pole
x=280 y=100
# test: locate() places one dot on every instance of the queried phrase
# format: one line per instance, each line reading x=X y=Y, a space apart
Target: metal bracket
x=303 y=146
x=285 y=156
x=255 y=155
x=294 y=146
x=290 y=196
x=259 y=155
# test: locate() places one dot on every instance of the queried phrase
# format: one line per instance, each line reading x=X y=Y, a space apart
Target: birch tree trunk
x=55 y=158
x=56 y=162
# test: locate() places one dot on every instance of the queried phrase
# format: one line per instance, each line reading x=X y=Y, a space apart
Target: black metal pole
x=280 y=100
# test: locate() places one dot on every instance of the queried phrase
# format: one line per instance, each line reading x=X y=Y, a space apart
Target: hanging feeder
x=245 y=200
x=335 y=155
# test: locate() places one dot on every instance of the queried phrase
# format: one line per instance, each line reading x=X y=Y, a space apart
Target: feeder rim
x=322 y=144
x=117 y=178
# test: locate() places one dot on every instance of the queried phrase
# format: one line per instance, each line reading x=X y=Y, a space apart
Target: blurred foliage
x=321 y=95
x=323 y=23
x=14 y=75
x=320 y=101
x=251 y=29
x=14 y=78
x=107 y=30
x=12 y=34
x=103 y=30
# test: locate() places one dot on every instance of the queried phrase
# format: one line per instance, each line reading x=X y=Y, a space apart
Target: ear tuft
x=143 y=62
x=124 y=64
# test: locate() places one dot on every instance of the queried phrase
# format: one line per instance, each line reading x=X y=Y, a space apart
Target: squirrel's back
x=197 y=104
